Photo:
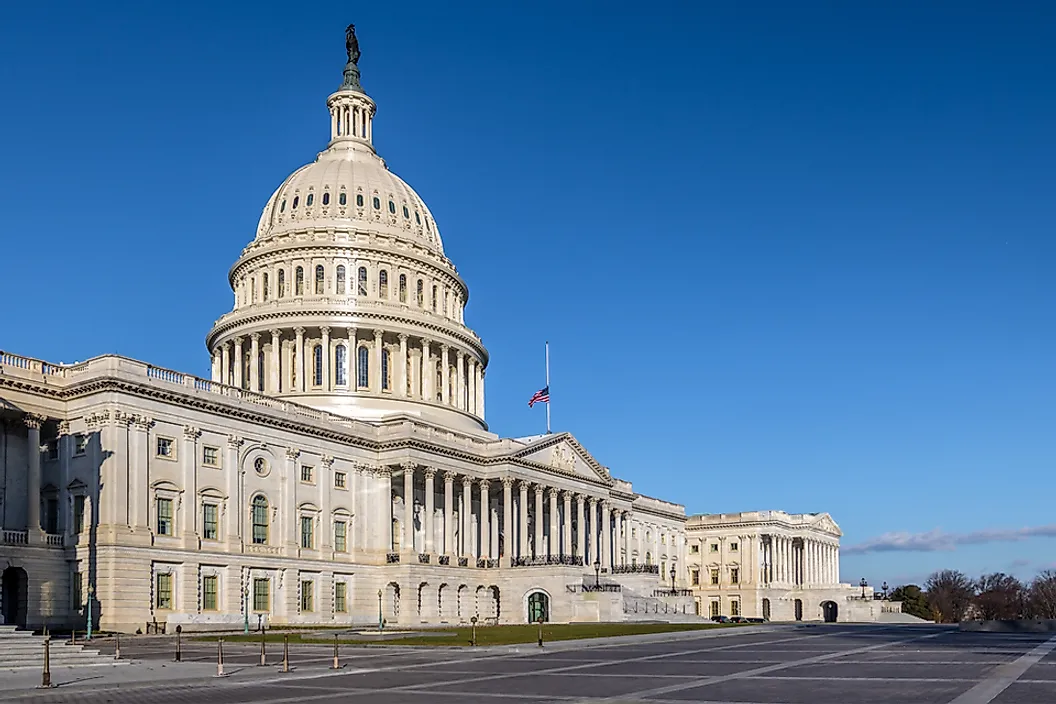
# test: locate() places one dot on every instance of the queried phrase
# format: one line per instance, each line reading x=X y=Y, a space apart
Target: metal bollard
x=179 y=648
x=73 y=636
x=117 y=647
x=263 y=648
x=285 y=652
x=336 y=666
x=540 y=620
x=45 y=676
x=220 y=657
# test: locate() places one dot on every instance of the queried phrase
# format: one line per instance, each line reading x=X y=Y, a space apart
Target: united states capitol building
x=337 y=467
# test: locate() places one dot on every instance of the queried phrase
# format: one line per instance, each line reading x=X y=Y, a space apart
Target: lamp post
x=245 y=610
x=863 y=584
x=673 y=581
x=89 y=629
x=597 y=574
x=381 y=619
x=884 y=587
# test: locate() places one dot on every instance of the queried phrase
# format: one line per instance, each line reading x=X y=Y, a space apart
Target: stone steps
x=20 y=650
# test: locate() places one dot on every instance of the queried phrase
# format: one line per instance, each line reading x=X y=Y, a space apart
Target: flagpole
x=548 y=386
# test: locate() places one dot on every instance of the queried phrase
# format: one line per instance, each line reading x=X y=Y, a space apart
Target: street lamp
x=673 y=581
x=381 y=619
x=90 y=592
x=597 y=573
x=884 y=587
x=245 y=610
x=863 y=584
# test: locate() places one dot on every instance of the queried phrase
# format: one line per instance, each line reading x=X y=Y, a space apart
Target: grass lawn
x=493 y=635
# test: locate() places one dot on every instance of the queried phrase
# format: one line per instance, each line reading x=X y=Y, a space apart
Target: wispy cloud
x=939 y=540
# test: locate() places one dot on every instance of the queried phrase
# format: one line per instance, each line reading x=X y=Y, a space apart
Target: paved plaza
x=809 y=664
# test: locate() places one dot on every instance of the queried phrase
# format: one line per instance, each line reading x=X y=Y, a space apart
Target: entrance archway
x=830 y=611
x=14 y=593
x=766 y=609
x=799 y=609
x=538 y=607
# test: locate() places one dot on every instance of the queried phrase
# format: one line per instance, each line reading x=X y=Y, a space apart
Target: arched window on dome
x=261 y=376
x=296 y=200
x=446 y=296
x=439 y=385
x=326 y=197
x=260 y=520
x=386 y=371
x=359 y=200
x=282 y=206
x=392 y=207
x=264 y=286
x=341 y=280
x=363 y=368
x=282 y=283
x=252 y=289
x=317 y=370
x=406 y=213
x=362 y=281
x=320 y=279
x=403 y=288
x=340 y=365
x=342 y=198
x=434 y=298
x=308 y=201
x=246 y=359
x=299 y=282
x=383 y=283
x=377 y=203
x=417 y=218
x=293 y=368
x=420 y=294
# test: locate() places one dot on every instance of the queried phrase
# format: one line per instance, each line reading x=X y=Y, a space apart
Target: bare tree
x=950 y=593
x=1041 y=598
x=999 y=596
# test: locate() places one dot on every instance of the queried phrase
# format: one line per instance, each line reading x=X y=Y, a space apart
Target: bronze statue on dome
x=352 y=44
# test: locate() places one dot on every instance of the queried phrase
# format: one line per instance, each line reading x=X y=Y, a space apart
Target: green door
x=538 y=607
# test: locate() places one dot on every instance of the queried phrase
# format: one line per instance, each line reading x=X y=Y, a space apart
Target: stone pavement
x=809 y=664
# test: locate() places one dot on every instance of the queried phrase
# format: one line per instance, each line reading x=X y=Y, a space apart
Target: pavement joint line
x=704 y=681
x=1002 y=677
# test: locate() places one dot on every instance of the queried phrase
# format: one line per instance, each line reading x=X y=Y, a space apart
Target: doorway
x=14 y=593
x=766 y=609
x=799 y=609
x=538 y=607
x=830 y=611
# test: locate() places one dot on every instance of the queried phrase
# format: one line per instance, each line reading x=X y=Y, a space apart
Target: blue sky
x=788 y=255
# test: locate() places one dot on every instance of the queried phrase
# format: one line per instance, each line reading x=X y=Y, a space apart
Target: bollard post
x=263 y=651
x=179 y=648
x=540 y=620
x=336 y=665
x=45 y=676
x=473 y=620
x=117 y=647
x=220 y=657
x=285 y=652
x=73 y=637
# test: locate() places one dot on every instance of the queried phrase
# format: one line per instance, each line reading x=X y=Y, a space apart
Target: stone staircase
x=21 y=650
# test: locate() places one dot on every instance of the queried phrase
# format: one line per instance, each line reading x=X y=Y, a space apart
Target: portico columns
x=485 y=520
x=507 y=520
x=537 y=548
x=225 y=364
x=460 y=388
x=408 y=507
x=427 y=524
x=427 y=377
x=553 y=547
x=606 y=535
x=471 y=380
x=33 y=423
x=401 y=376
x=449 y=504
x=522 y=530
x=238 y=362
x=445 y=375
x=254 y=366
x=298 y=355
x=467 y=516
x=566 y=524
x=327 y=384
x=617 y=558
x=581 y=531
x=378 y=348
x=592 y=521
x=276 y=363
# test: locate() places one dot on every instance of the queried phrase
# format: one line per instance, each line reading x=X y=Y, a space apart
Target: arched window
x=392 y=207
x=296 y=199
x=359 y=200
x=385 y=369
x=311 y=197
x=377 y=203
x=320 y=277
x=363 y=368
x=252 y=289
x=420 y=294
x=446 y=295
x=342 y=198
x=340 y=362
x=439 y=386
x=383 y=283
x=317 y=354
x=362 y=276
x=282 y=283
x=293 y=368
x=403 y=288
x=299 y=282
x=417 y=217
x=260 y=372
x=326 y=198
x=406 y=213
x=264 y=283
x=260 y=520
x=341 y=279
x=434 y=298
x=282 y=207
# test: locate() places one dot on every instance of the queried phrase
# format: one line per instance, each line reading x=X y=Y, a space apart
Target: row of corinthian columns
x=800 y=561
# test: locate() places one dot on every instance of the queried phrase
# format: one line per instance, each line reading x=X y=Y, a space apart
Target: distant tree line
x=949 y=596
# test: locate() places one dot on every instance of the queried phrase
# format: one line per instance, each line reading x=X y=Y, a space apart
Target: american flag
x=540 y=396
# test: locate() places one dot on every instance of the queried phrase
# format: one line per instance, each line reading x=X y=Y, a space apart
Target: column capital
x=429 y=472
x=325 y=329
x=142 y=422
x=467 y=482
x=459 y=354
x=327 y=461
x=449 y=476
x=378 y=332
x=524 y=485
x=275 y=332
x=64 y=427
x=408 y=466
x=254 y=336
x=484 y=484
x=551 y=493
x=507 y=482
x=592 y=500
x=444 y=347
x=238 y=339
x=402 y=337
x=567 y=494
x=191 y=433
x=33 y=421
x=292 y=453
x=299 y=331
x=425 y=341
x=234 y=441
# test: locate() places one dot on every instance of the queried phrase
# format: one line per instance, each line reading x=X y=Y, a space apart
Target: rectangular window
x=340 y=531
x=733 y=547
x=163 y=591
x=78 y=514
x=714 y=576
x=211 y=456
x=694 y=549
x=340 y=605
x=306 y=474
x=339 y=480
x=735 y=575
x=307 y=596
x=307 y=538
x=209 y=590
x=164 y=516
x=210 y=525
x=714 y=547
x=166 y=448
x=735 y=607
x=53 y=449
x=75 y=581
x=80 y=444
x=696 y=577
x=51 y=516
x=261 y=594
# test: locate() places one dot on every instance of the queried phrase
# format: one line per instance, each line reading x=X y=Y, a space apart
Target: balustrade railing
x=636 y=569
x=392 y=558
x=444 y=560
x=588 y=588
x=54 y=540
x=547 y=560
x=463 y=562
x=16 y=537
x=672 y=592
x=423 y=558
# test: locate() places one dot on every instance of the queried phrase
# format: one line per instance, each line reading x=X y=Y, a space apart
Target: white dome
x=348 y=184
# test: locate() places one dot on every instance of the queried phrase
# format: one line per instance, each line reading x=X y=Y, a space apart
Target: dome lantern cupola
x=351 y=110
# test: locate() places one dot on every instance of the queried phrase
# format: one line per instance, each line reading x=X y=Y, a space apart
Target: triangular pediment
x=824 y=522
x=563 y=453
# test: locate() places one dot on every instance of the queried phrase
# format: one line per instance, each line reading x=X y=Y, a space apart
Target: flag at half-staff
x=543 y=394
x=540 y=396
